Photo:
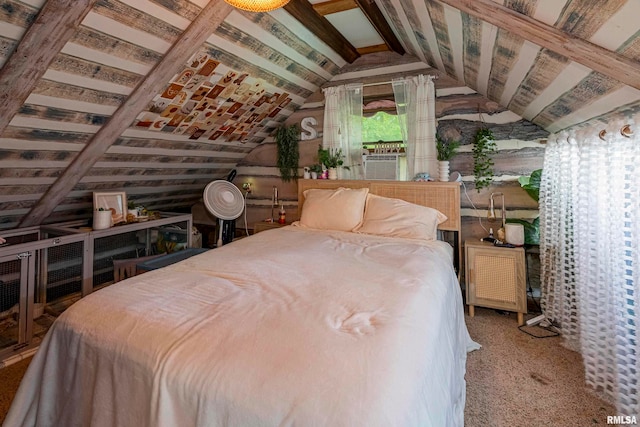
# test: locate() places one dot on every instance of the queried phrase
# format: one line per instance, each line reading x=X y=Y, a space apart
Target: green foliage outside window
x=381 y=127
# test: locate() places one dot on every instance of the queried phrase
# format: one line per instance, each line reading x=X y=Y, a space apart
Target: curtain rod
x=389 y=82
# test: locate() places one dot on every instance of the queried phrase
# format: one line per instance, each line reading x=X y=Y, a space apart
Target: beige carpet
x=518 y=380
x=9 y=380
x=513 y=380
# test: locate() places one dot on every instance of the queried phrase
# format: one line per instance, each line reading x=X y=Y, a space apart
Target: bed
x=305 y=325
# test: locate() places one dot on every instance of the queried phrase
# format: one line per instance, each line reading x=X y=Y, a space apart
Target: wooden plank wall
x=117 y=44
x=520 y=151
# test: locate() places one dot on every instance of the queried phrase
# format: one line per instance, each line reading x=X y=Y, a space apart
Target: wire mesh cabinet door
x=15 y=290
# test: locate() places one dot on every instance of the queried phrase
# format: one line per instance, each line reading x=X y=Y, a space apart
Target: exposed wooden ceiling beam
x=334 y=6
x=56 y=23
x=189 y=42
x=322 y=28
x=590 y=55
x=379 y=22
x=373 y=49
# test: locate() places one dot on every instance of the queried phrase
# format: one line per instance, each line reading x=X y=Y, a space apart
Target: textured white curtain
x=343 y=126
x=415 y=103
x=590 y=240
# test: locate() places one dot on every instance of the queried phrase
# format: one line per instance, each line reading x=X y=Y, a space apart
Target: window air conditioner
x=383 y=166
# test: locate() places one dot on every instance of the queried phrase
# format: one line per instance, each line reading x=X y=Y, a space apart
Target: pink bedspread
x=287 y=327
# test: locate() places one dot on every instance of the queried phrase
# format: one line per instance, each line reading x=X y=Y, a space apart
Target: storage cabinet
x=495 y=278
x=36 y=271
x=168 y=233
x=45 y=269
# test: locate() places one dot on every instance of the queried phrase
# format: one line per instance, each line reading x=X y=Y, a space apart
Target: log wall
x=460 y=113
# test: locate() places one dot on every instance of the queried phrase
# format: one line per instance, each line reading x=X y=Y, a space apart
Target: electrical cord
x=474 y=207
x=552 y=332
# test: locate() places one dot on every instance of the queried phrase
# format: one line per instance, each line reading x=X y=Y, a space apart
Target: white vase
x=102 y=220
x=333 y=173
x=306 y=174
x=314 y=175
x=443 y=169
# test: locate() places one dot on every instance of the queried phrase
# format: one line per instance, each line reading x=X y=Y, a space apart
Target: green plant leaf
x=287 y=138
x=446 y=149
x=330 y=158
x=483 y=147
x=531 y=184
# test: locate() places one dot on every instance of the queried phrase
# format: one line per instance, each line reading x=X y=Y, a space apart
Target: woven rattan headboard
x=443 y=196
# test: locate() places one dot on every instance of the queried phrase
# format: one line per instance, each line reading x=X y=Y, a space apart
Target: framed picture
x=116 y=202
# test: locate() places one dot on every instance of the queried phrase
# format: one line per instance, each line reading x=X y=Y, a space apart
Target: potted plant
x=102 y=218
x=531 y=184
x=484 y=146
x=287 y=138
x=331 y=158
x=314 y=170
x=445 y=152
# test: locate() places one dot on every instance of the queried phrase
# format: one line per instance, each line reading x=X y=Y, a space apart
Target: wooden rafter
x=322 y=28
x=590 y=55
x=189 y=42
x=379 y=22
x=334 y=6
x=56 y=23
x=373 y=49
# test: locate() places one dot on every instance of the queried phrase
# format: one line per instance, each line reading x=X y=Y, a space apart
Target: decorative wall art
x=201 y=103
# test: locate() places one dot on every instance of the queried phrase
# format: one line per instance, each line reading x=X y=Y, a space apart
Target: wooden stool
x=125 y=268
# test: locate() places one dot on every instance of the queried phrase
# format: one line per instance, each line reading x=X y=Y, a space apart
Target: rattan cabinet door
x=495 y=277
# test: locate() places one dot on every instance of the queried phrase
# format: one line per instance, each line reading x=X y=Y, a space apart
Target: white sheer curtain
x=590 y=240
x=415 y=103
x=343 y=126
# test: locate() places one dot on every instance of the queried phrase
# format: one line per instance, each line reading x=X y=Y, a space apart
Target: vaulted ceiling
x=160 y=96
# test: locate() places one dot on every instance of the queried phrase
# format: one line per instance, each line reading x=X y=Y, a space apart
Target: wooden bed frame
x=443 y=196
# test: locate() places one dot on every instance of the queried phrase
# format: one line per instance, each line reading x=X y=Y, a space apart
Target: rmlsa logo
x=621 y=419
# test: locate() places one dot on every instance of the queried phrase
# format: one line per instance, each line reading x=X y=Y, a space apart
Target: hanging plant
x=287 y=138
x=484 y=146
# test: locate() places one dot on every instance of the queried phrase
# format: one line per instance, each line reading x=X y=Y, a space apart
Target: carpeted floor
x=9 y=380
x=519 y=380
x=513 y=380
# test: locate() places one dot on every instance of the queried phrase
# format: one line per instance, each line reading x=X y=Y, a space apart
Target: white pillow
x=385 y=216
x=340 y=209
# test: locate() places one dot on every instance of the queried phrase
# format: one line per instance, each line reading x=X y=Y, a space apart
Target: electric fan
x=224 y=200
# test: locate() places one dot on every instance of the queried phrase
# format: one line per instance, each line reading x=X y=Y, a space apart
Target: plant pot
x=102 y=220
x=314 y=175
x=443 y=169
x=333 y=173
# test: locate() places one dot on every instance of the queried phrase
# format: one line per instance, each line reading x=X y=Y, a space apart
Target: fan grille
x=223 y=199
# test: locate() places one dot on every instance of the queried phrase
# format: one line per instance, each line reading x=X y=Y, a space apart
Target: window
x=382 y=139
x=381 y=126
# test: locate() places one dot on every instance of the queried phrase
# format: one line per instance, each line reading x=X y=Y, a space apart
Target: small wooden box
x=495 y=278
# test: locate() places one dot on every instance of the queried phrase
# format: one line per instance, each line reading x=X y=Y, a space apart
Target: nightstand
x=495 y=278
x=263 y=225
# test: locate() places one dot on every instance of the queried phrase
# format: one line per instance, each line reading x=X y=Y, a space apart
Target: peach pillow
x=385 y=216
x=340 y=209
